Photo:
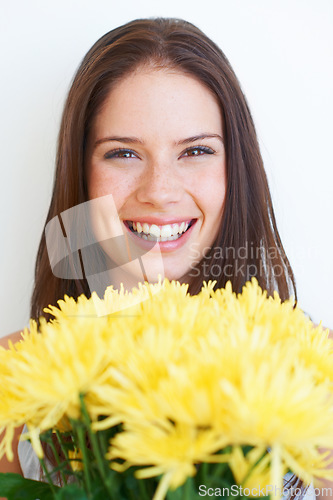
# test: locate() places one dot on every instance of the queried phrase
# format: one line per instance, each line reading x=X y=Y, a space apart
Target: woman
x=248 y=220
x=158 y=172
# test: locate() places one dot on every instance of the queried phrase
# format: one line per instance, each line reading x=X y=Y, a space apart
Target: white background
x=281 y=51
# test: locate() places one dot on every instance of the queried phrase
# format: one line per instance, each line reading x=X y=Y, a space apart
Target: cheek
x=216 y=203
x=94 y=182
x=211 y=195
x=102 y=182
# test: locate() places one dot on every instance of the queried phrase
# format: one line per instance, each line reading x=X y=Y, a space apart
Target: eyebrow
x=127 y=140
x=197 y=138
x=134 y=140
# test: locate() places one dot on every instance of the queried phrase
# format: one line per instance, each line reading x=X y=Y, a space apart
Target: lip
x=163 y=246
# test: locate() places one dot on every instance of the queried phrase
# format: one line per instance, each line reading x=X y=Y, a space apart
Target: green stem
x=47 y=475
x=63 y=449
x=219 y=469
x=143 y=490
x=102 y=442
x=133 y=497
x=188 y=489
x=83 y=448
x=101 y=463
x=204 y=472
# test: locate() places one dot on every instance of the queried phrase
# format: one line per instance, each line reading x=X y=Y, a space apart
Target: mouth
x=159 y=233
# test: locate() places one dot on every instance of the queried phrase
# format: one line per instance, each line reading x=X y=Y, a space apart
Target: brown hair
x=248 y=221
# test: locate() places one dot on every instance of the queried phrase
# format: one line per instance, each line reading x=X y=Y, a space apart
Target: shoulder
x=5 y=465
x=14 y=337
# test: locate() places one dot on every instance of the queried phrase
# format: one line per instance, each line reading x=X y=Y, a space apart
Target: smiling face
x=157 y=147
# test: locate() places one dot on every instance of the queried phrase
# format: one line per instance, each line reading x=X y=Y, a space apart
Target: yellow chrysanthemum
x=76 y=459
x=185 y=375
x=252 y=471
x=47 y=373
x=172 y=450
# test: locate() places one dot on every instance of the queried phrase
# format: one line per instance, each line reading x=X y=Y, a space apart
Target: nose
x=160 y=185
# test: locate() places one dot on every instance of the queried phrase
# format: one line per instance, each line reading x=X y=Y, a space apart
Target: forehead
x=155 y=100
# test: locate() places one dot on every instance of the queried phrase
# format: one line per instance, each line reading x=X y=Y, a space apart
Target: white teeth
x=145 y=228
x=153 y=232
x=175 y=229
x=166 y=231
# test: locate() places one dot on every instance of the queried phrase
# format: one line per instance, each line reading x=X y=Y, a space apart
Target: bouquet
x=159 y=394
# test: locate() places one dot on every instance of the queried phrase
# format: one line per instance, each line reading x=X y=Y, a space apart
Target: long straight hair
x=248 y=243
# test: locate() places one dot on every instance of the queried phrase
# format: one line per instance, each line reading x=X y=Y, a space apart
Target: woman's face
x=157 y=147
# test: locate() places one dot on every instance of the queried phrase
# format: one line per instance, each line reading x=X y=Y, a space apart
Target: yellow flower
x=184 y=375
x=169 y=449
x=75 y=458
x=252 y=471
x=47 y=372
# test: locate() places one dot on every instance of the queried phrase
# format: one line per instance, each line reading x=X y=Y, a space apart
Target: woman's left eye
x=197 y=151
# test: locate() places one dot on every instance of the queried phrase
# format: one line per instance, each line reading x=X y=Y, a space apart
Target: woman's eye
x=198 y=151
x=120 y=153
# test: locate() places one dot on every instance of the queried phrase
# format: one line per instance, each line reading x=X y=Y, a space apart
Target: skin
x=164 y=172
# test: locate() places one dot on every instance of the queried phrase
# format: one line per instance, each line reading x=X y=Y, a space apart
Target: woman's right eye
x=120 y=153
